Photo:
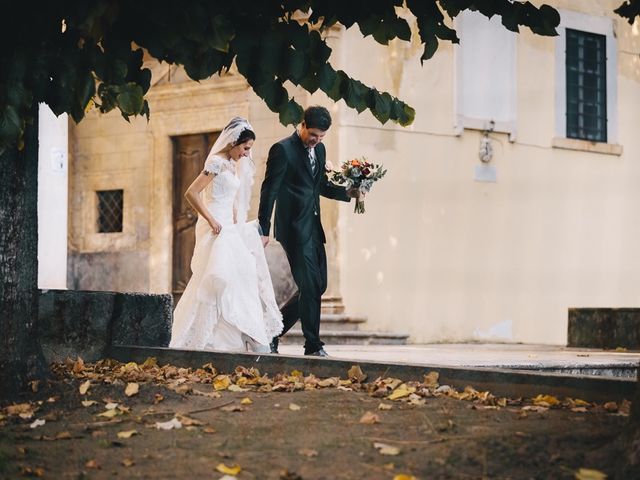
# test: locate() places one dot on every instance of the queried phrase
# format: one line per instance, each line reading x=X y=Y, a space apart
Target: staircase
x=339 y=328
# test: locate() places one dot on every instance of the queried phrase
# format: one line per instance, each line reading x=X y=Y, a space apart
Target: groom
x=294 y=180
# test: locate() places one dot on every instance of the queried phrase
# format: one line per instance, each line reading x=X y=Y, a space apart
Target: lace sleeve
x=213 y=165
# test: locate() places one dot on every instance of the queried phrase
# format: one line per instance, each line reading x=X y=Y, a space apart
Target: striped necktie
x=312 y=159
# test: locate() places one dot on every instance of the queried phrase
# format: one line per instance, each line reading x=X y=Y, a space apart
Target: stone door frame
x=181 y=109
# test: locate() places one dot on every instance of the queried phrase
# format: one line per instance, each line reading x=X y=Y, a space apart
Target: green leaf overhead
x=74 y=51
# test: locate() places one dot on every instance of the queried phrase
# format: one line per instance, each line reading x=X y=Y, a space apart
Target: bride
x=229 y=303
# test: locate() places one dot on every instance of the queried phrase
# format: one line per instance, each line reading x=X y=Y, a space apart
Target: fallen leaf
x=308 y=452
x=63 y=436
x=188 y=421
x=132 y=389
x=328 y=382
x=209 y=430
x=625 y=407
x=111 y=405
x=206 y=394
x=158 y=398
x=221 y=382
x=293 y=407
x=128 y=462
x=84 y=387
x=92 y=464
x=579 y=410
x=534 y=408
x=88 y=403
x=127 y=433
x=402 y=391
x=174 y=423
x=416 y=400
x=355 y=374
x=297 y=373
x=32 y=472
x=37 y=423
x=78 y=365
x=369 y=418
x=246 y=401
x=431 y=379
x=109 y=413
x=589 y=474
x=545 y=400
x=385 y=449
x=232 y=408
x=150 y=362
x=222 y=468
x=402 y=476
x=385 y=406
x=611 y=406
x=236 y=388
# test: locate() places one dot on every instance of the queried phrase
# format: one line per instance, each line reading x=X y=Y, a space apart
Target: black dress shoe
x=273 y=346
x=319 y=353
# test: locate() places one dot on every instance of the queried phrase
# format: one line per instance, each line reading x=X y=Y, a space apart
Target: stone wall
x=609 y=328
x=85 y=324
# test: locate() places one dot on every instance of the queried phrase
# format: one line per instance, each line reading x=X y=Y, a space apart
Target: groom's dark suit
x=295 y=189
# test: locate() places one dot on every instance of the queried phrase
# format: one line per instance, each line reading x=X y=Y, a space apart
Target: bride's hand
x=215 y=226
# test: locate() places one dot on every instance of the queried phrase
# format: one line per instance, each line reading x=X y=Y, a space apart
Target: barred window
x=586 y=67
x=110 y=204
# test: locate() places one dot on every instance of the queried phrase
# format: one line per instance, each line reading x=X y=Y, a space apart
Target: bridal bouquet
x=358 y=174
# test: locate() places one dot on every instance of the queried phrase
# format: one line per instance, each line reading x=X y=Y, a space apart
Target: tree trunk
x=21 y=358
x=630 y=466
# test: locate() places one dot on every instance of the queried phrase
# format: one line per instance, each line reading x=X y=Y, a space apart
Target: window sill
x=587 y=146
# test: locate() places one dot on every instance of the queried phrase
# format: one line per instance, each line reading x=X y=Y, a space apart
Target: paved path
x=485 y=355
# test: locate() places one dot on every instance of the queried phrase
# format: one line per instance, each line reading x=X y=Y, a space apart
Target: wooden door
x=189 y=154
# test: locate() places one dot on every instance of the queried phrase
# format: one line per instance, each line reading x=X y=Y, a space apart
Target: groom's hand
x=355 y=193
x=265 y=240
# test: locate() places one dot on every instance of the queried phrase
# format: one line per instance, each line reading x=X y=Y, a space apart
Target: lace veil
x=245 y=168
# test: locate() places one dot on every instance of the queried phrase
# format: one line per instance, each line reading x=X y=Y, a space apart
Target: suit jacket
x=290 y=184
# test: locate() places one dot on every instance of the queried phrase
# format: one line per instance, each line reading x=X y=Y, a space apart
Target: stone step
x=332 y=305
x=341 y=322
x=345 y=337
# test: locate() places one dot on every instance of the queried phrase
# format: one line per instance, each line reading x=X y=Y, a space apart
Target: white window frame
x=591 y=24
x=462 y=121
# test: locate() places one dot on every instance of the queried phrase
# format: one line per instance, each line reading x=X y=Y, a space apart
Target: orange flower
x=355 y=163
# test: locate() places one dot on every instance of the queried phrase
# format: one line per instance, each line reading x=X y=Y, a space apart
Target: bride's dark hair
x=245 y=136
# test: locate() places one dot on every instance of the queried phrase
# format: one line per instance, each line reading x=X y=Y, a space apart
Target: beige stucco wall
x=447 y=258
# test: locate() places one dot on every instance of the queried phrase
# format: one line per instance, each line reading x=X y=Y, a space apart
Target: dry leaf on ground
x=172 y=424
x=88 y=403
x=234 y=470
x=355 y=374
x=37 y=423
x=402 y=391
x=128 y=462
x=232 y=408
x=308 y=452
x=246 y=401
x=404 y=477
x=431 y=379
x=293 y=407
x=545 y=400
x=384 y=406
x=92 y=464
x=132 y=389
x=589 y=474
x=385 y=449
x=84 y=387
x=369 y=418
x=127 y=433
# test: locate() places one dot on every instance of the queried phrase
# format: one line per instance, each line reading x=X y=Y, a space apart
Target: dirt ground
x=331 y=429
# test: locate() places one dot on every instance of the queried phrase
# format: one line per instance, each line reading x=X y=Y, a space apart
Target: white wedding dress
x=230 y=292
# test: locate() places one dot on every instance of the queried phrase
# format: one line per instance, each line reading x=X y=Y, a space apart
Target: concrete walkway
x=547 y=358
